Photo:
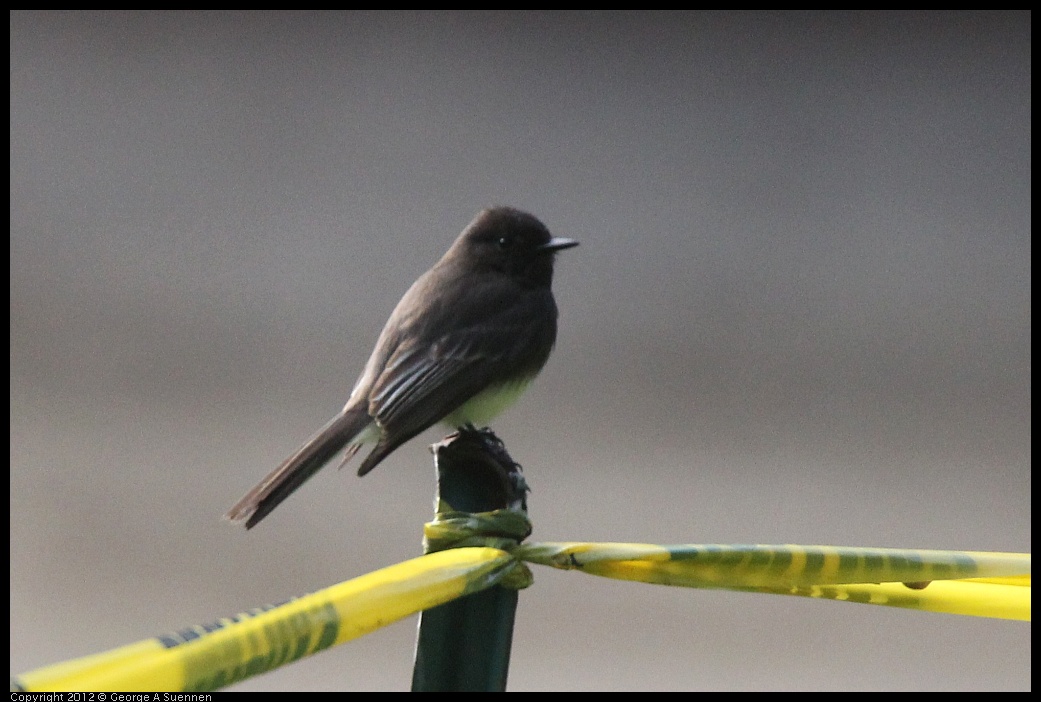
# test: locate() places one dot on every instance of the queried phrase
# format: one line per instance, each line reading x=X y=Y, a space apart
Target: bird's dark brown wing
x=422 y=382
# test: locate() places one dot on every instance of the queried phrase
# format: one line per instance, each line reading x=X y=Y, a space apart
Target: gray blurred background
x=800 y=313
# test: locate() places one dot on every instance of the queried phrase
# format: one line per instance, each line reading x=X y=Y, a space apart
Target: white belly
x=486 y=405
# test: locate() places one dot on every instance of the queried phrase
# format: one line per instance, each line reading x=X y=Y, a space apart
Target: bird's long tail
x=298 y=468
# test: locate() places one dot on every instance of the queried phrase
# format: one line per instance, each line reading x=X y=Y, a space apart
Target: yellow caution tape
x=214 y=656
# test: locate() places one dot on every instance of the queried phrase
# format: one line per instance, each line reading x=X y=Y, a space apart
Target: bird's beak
x=557 y=243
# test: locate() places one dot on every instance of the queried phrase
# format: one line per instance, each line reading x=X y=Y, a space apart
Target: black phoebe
x=460 y=347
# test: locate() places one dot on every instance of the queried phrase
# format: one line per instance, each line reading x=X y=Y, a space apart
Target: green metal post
x=464 y=645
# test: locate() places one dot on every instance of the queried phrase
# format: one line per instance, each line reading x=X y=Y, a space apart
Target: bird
x=461 y=346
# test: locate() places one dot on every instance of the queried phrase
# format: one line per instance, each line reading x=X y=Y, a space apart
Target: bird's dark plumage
x=461 y=344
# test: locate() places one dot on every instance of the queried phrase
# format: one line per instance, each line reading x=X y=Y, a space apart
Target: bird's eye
x=504 y=242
